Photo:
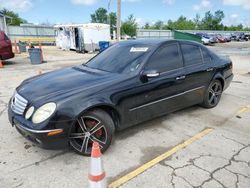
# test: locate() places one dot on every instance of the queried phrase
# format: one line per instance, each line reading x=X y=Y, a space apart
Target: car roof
x=155 y=42
x=150 y=42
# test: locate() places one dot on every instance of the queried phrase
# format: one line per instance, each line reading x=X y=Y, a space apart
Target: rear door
x=198 y=71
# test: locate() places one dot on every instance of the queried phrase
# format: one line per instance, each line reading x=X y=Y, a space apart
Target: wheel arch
x=110 y=109
x=220 y=78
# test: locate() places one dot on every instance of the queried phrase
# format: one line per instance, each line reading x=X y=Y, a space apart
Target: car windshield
x=120 y=58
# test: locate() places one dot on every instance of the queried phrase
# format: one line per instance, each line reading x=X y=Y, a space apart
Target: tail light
x=231 y=66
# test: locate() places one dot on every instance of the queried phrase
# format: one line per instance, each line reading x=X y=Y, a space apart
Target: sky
x=78 y=11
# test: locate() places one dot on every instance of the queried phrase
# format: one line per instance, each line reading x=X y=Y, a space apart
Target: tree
x=146 y=26
x=16 y=19
x=100 y=16
x=129 y=26
x=213 y=22
x=158 y=25
x=112 y=21
x=197 y=21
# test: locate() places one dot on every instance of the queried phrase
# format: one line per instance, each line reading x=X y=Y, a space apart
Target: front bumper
x=40 y=137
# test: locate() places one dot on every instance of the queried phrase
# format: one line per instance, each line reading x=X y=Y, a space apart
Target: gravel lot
x=219 y=159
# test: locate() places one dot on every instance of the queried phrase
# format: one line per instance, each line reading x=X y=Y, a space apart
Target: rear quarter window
x=192 y=54
x=206 y=57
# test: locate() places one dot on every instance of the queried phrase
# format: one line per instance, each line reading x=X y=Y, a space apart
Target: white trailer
x=81 y=37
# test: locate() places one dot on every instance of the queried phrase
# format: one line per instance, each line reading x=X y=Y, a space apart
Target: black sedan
x=128 y=83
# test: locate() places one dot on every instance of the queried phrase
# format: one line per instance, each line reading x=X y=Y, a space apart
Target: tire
x=213 y=94
x=95 y=125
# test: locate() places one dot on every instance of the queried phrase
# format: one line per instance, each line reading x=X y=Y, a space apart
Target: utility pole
x=118 y=20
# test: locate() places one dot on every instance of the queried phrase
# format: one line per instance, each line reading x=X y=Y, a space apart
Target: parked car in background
x=240 y=37
x=213 y=38
x=205 y=39
x=5 y=47
x=220 y=38
x=81 y=104
x=227 y=37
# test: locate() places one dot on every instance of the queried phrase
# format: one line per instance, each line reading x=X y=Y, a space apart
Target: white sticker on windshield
x=142 y=49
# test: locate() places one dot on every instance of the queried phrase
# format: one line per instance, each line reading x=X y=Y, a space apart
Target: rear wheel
x=92 y=126
x=213 y=94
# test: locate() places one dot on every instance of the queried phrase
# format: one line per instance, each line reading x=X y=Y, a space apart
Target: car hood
x=69 y=80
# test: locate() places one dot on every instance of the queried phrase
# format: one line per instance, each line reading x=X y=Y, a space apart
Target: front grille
x=18 y=103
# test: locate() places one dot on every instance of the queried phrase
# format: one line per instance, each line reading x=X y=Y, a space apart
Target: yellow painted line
x=46 y=39
x=244 y=109
x=158 y=159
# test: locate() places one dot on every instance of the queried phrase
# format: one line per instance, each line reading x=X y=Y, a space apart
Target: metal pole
x=118 y=21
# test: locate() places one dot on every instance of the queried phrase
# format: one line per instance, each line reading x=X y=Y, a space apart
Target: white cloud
x=235 y=19
x=84 y=2
x=131 y=1
x=16 y=5
x=140 y=22
x=243 y=3
x=204 y=4
x=168 y=2
x=234 y=16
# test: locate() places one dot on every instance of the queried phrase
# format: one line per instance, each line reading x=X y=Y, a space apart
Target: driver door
x=162 y=93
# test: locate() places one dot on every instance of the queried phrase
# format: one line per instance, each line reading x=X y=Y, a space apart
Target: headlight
x=29 y=112
x=44 y=112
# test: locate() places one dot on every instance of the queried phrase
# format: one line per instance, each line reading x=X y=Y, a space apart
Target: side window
x=206 y=56
x=165 y=59
x=191 y=54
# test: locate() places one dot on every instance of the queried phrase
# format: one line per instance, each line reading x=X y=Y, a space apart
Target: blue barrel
x=35 y=55
x=103 y=45
x=22 y=47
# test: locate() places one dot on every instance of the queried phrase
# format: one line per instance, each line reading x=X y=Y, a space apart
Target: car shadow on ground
x=154 y=123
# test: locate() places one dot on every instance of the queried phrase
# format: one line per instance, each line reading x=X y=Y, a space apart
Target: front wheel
x=92 y=126
x=213 y=94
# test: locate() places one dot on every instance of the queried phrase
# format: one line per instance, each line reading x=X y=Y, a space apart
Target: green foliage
x=112 y=21
x=101 y=16
x=210 y=21
x=158 y=25
x=129 y=26
x=147 y=26
x=182 y=23
x=16 y=19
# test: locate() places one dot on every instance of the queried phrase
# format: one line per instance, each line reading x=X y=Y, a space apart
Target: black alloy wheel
x=213 y=94
x=92 y=126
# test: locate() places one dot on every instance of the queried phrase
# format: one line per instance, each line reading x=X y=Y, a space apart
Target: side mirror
x=149 y=74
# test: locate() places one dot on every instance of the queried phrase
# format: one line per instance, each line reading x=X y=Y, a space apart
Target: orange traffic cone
x=15 y=47
x=96 y=173
x=40 y=46
x=1 y=63
x=40 y=72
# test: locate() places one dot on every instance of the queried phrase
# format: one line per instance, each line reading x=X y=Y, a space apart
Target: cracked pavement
x=220 y=159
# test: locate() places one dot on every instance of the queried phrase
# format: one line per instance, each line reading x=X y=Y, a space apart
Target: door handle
x=180 y=77
x=210 y=69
